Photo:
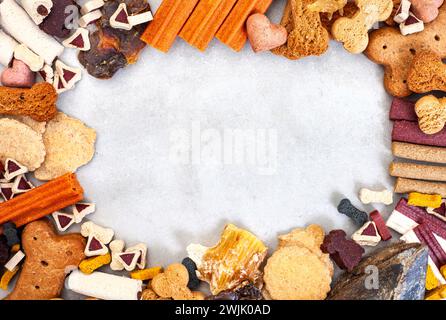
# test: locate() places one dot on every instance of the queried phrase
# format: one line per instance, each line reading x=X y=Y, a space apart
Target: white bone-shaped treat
x=82 y=209
x=38 y=10
x=89 y=18
x=367 y=235
x=63 y=220
x=89 y=228
x=91 y=5
x=68 y=75
x=369 y=196
x=32 y=60
x=116 y=247
x=7 y=46
x=16 y=22
x=142 y=248
x=95 y=247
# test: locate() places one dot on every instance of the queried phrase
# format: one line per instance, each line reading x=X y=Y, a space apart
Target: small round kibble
x=191 y=267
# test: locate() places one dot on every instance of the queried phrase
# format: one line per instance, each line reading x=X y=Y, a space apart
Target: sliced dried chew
x=404 y=185
x=417 y=171
x=419 y=152
x=233 y=31
x=427 y=73
x=205 y=21
x=39 y=102
x=69 y=145
x=41 y=201
x=167 y=23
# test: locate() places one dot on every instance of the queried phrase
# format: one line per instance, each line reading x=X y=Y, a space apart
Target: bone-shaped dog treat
x=39 y=102
x=395 y=52
x=353 y=32
x=32 y=60
x=37 y=9
x=369 y=196
x=347 y=208
x=7 y=46
x=327 y=6
x=426 y=10
x=48 y=258
x=427 y=73
x=129 y=259
x=431 y=113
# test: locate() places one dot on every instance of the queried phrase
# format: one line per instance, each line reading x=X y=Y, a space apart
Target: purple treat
x=406 y=131
x=402 y=110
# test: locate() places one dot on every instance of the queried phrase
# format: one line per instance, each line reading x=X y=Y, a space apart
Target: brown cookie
x=387 y=46
x=306 y=35
x=427 y=73
x=431 y=113
x=48 y=257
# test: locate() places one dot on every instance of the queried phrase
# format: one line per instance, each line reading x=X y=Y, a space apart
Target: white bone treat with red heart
x=7 y=46
x=38 y=10
x=120 y=19
x=16 y=22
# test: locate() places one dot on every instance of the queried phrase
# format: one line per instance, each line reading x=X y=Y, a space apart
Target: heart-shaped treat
x=18 y=76
x=431 y=114
x=264 y=35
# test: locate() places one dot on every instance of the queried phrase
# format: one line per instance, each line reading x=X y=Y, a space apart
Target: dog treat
x=33 y=61
x=129 y=259
x=38 y=10
x=204 y=22
x=403 y=12
x=95 y=247
x=89 y=228
x=116 y=247
x=411 y=25
x=142 y=249
x=13 y=263
x=402 y=109
x=90 y=18
x=104 y=286
x=432 y=281
x=406 y=131
x=306 y=35
x=81 y=210
x=439 y=212
x=191 y=267
x=403 y=185
x=369 y=196
x=91 y=5
x=234 y=260
x=263 y=35
x=119 y=19
x=63 y=220
x=172 y=283
x=367 y=235
x=327 y=6
x=21 y=185
x=417 y=171
x=19 y=75
x=358 y=216
x=79 y=39
x=6 y=278
x=424 y=200
x=167 y=23
x=68 y=75
x=419 y=153
x=347 y=254
x=55 y=23
x=437 y=294
x=6 y=191
x=22 y=143
x=48 y=257
x=58 y=84
x=41 y=201
x=380 y=225
x=427 y=73
x=426 y=10
x=17 y=23
x=353 y=32
x=47 y=74
x=233 y=30
x=88 y=266
x=69 y=145
x=147 y=274
x=431 y=113
x=7 y=46
x=13 y=169
x=395 y=52
x=140 y=18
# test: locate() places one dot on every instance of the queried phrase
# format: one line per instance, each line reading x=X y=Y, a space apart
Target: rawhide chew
x=353 y=32
x=427 y=73
x=233 y=30
x=264 y=35
x=39 y=102
x=388 y=47
x=104 y=286
x=19 y=75
x=78 y=40
x=426 y=10
x=55 y=23
x=407 y=131
x=367 y=235
x=402 y=12
x=431 y=113
x=205 y=21
x=402 y=109
x=417 y=171
x=167 y=23
x=347 y=208
x=369 y=196
x=424 y=200
x=306 y=35
x=383 y=231
x=48 y=258
x=27 y=32
x=7 y=46
x=404 y=185
x=236 y=259
x=38 y=10
x=418 y=152
x=32 y=60
x=42 y=200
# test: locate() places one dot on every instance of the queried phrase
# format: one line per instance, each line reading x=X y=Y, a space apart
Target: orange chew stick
x=167 y=23
x=205 y=21
x=43 y=200
x=233 y=31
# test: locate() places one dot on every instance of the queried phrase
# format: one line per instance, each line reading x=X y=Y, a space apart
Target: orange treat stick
x=167 y=23
x=205 y=21
x=233 y=30
x=43 y=200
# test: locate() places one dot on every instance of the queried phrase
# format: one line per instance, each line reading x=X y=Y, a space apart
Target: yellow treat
x=7 y=277
x=437 y=294
x=431 y=280
x=443 y=271
x=145 y=274
x=424 y=200
x=15 y=248
x=89 y=265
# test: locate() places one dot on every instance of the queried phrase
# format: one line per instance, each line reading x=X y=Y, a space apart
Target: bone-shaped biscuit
x=431 y=113
x=327 y=6
x=370 y=196
x=353 y=32
x=395 y=52
x=427 y=73
x=48 y=258
x=426 y=10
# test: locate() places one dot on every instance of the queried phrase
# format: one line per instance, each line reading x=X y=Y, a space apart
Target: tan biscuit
x=388 y=47
x=37 y=126
x=306 y=35
x=327 y=6
x=404 y=185
x=417 y=171
x=48 y=257
x=419 y=152
x=431 y=113
x=327 y=19
x=427 y=73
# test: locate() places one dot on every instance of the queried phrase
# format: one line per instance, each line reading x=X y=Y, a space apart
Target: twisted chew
x=417 y=171
x=43 y=200
x=167 y=23
x=419 y=153
x=403 y=185
x=233 y=30
x=407 y=131
x=39 y=102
